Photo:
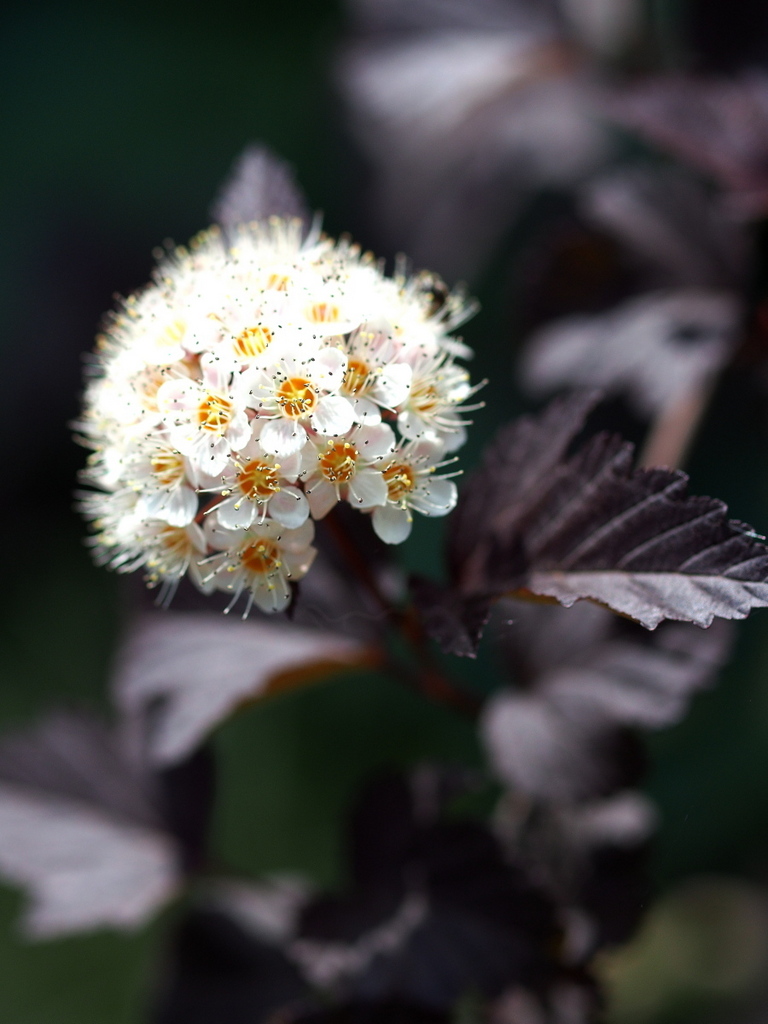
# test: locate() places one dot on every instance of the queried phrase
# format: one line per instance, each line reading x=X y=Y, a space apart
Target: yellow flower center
x=356 y=376
x=252 y=341
x=339 y=461
x=258 y=480
x=168 y=467
x=424 y=398
x=176 y=541
x=323 y=313
x=261 y=557
x=215 y=413
x=296 y=397
x=400 y=480
x=171 y=334
x=278 y=282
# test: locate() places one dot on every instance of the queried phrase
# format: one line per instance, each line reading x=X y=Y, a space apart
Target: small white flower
x=436 y=405
x=300 y=392
x=206 y=420
x=347 y=467
x=374 y=380
x=164 y=481
x=254 y=483
x=261 y=562
x=126 y=540
x=412 y=484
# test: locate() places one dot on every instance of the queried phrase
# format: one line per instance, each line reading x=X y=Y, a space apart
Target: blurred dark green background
x=119 y=122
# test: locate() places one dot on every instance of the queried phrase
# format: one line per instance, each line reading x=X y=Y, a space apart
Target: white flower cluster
x=255 y=383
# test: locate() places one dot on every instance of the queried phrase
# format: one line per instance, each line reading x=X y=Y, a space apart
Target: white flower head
x=257 y=381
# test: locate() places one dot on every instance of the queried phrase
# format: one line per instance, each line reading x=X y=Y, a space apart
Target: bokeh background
x=118 y=124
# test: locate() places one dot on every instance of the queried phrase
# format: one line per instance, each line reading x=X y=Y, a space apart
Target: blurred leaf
x=82 y=870
x=366 y=1012
x=606 y=26
x=704 y=942
x=654 y=348
x=434 y=911
x=393 y=16
x=78 y=830
x=260 y=186
x=219 y=972
x=681 y=233
x=186 y=673
x=454 y=622
x=476 y=107
x=588 y=677
x=717 y=125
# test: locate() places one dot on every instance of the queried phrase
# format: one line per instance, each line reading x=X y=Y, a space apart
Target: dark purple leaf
x=516 y=473
x=435 y=911
x=585 y=678
x=455 y=623
x=655 y=349
x=261 y=185
x=81 y=829
x=676 y=229
x=386 y=1012
x=220 y=972
x=719 y=125
x=535 y=520
x=184 y=674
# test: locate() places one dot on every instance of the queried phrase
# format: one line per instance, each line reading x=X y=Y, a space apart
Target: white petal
x=321 y=496
x=177 y=507
x=365 y=410
x=436 y=497
x=367 y=489
x=333 y=415
x=375 y=441
x=290 y=467
x=239 y=432
x=297 y=563
x=180 y=506
x=272 y=596
x=393 y=384
x=178 y=394
x=453 y=441
x=289 y=507
x=309 y=460
x=392 y=524
x=210 y=455
x=282 y=437
x=260 y=390
x=413 y=426
x=236 y=513
x=328 y=368
x=300 y=538
x=216 y=372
